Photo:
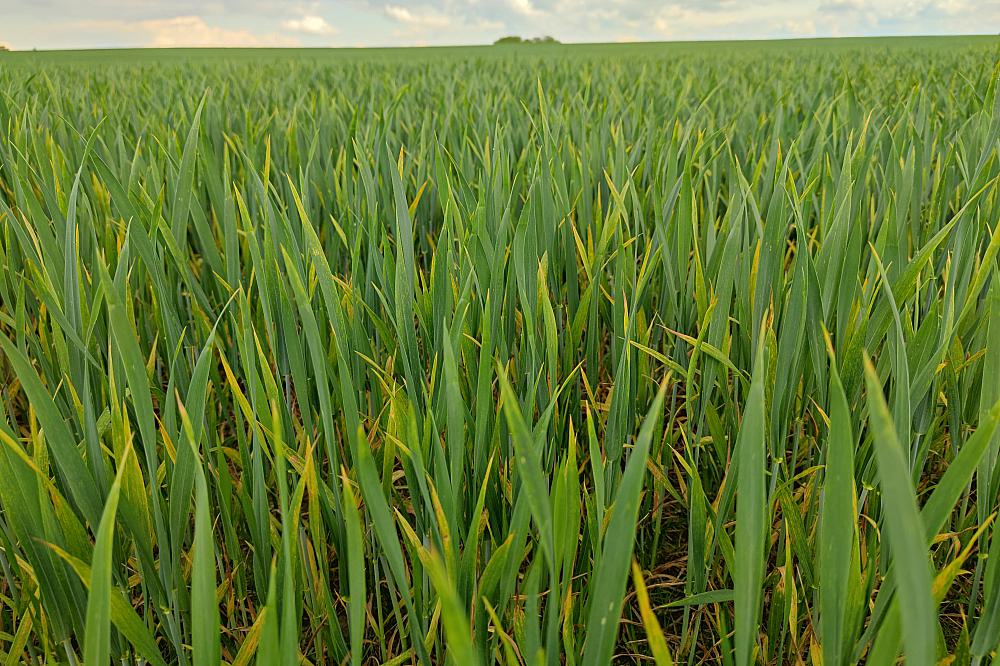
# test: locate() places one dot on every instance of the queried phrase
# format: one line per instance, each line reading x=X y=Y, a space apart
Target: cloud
x=313 y=25
x=524 y=7
x=67 y=23
x=423 y=20
x=425 y=24
x=188 y=31
x=805 y=27
x=836 y=6
x=677 y=20
x=903 y=16
x=951 y=7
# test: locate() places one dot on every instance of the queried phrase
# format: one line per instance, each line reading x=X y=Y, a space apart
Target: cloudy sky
x=47 y=24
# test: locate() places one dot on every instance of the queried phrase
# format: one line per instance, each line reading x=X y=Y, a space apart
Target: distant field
x=574 y=354
x=656 y=50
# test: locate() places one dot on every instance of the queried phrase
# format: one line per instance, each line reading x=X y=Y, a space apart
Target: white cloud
x=805 y=27
x=842 y=5
x=895 y=10
x=951 y=7
x=425 y=20
x=314 y=25
x=401 y=14
x=185 y=31
x=524 y=7
x=409 y=22
x=675 y=20
x=423 y=25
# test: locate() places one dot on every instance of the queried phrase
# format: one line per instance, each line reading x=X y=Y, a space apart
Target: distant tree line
x=515 y=39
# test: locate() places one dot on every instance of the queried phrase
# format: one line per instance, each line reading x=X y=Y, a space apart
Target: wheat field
x=532 y=355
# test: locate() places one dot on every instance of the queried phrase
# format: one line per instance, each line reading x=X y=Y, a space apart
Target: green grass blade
x=904 y=529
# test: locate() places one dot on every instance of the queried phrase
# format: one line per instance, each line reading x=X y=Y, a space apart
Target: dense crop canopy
x=560 y=355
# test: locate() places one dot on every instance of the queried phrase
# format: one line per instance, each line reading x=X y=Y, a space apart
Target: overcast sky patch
x=47 y=24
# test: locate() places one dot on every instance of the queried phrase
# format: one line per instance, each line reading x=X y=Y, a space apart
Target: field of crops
x=532 y=355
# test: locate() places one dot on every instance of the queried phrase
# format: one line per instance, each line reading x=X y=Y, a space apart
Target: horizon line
x=556 y=44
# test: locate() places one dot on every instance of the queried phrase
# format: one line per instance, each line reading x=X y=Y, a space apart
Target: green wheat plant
x=667 y=354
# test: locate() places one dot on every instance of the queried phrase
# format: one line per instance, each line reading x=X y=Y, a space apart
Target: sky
x=60 y=24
